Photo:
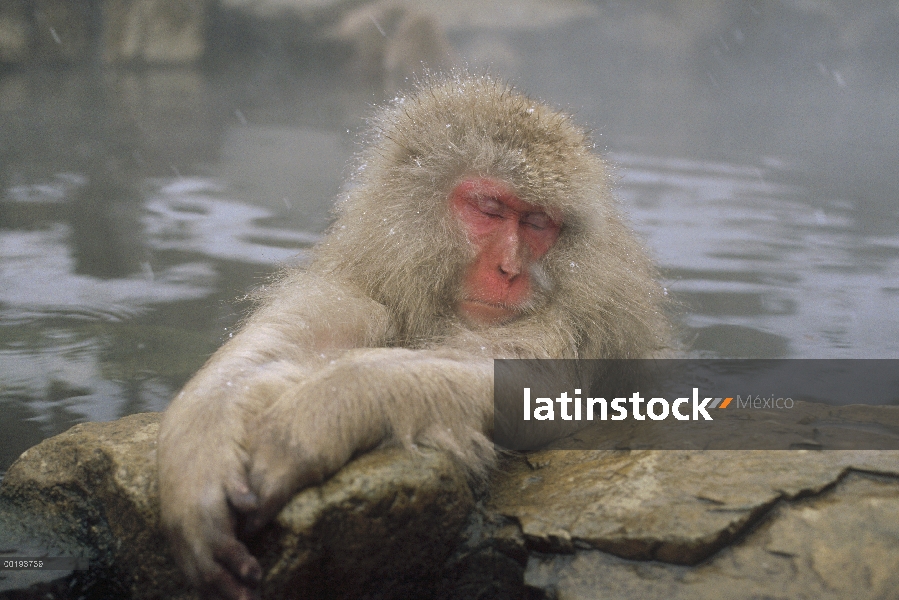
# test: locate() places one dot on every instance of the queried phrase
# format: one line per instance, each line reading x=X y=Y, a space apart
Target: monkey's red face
x=509 y=236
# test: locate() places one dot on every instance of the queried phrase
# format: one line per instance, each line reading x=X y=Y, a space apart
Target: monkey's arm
x=367 y=397
x=202 y=455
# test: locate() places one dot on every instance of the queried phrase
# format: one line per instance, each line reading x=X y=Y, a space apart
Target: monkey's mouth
x=482 y=312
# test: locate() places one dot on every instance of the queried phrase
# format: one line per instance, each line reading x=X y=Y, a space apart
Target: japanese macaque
x=478 y=225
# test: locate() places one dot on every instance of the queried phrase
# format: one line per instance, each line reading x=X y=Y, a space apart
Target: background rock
x=149 y=32
x=154 y=31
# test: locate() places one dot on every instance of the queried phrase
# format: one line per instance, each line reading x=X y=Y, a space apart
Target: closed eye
x=490 y=206
x=537 y=221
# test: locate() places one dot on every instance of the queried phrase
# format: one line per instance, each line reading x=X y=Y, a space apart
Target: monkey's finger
x=243 y=507
x=275 y=480
x=273 y=494
x=219 y=584
x=271 y=487
x=207 y=568
x=268 y=509
x=241 y=497
x=238 y=561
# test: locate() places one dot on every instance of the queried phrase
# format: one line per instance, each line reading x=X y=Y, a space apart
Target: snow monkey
x=479 y=224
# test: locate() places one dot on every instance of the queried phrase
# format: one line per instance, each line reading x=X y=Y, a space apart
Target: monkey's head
x=475 y=206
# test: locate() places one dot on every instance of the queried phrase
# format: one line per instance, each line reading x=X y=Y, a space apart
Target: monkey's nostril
x=508 y=273
x=510 y=269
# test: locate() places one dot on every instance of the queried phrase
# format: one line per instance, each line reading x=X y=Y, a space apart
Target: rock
x=564 y=523
x=384 y=525
x=631 y=523
x=62 y=31
x=147 y=32
x=803 y=426
x=96 y=484
x=292 y=29
x=382 y=41
x=839 y=544
x=154 y=31
x=14 y=32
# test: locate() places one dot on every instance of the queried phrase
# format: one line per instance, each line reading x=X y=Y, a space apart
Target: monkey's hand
x=366 y=398
x=205 y=496
x=203 y=491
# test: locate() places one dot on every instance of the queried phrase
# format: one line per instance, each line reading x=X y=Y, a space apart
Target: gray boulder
x=383 y=526
x=560 y=522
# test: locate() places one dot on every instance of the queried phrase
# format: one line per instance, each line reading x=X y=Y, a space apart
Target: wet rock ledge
x=557 y=523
